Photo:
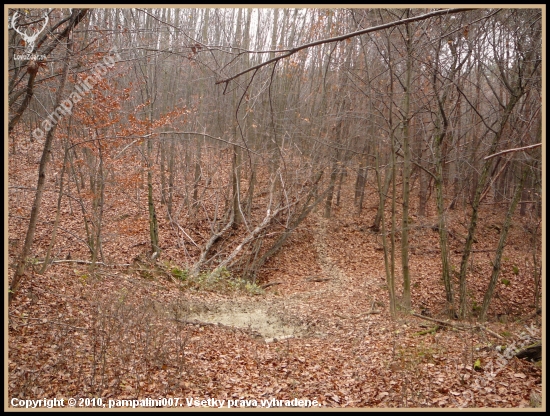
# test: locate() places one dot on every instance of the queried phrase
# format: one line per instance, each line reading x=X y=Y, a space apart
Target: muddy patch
x=258 y=318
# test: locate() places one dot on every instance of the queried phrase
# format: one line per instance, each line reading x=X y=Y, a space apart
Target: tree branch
x=458 y=326
x=346 y=36
x=517 y=149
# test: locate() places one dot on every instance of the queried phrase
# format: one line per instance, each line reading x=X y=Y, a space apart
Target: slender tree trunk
x=406 y=176
x=359 y=182
x=171 y=175
x=33 y=70
x=251 y=186
x=455 y=165
x=393 y=161
x=393 y=213
x=236 y=180
x=362 y=177
x=389 y=276
x=484 y=177
x=162 y=173
x=382 y=200
x=99 y=194
x=443 y=235
x=42 y=169
x=424 y=181
x=340 y=181
x=153 y=224
x=500 y=249
x=57 y=214
x=328 y=201
x=197 y=178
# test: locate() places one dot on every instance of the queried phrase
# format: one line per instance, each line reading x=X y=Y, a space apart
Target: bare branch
x=517 y=149
x=211 y=137
x=347 y=36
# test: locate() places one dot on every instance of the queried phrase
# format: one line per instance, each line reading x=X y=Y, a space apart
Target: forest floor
x=320 y=332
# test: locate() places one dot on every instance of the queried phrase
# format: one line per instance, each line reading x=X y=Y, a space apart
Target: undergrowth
x=217 y=280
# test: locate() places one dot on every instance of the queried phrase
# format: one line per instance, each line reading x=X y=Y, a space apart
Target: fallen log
x=459 y=327
x=531 y=352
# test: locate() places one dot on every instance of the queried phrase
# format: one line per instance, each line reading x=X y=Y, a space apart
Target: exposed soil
x=260 y=319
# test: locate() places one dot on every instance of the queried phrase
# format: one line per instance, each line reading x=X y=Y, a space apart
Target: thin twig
x=86 y=262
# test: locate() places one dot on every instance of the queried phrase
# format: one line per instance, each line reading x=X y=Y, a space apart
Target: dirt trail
x=331 y=270
x=280 y=317
x=364 y=288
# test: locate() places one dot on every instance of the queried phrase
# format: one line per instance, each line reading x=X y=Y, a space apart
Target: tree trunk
x=406 y=176
x=500 y=249
x=197 y=177
x=389 y=277
x=382 y=200
x=424 y=183
x=35 y=210
x=251 y=185
x=236 y=180
x=340 y=181
x=484 y=177
x=57 y=213
x=443 y=236
x=99 y=193
x=153 y=224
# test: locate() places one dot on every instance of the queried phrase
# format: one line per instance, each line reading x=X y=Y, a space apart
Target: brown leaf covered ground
x=131 y=333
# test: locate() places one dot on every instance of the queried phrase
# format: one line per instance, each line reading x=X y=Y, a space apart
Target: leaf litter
x=114 y=333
